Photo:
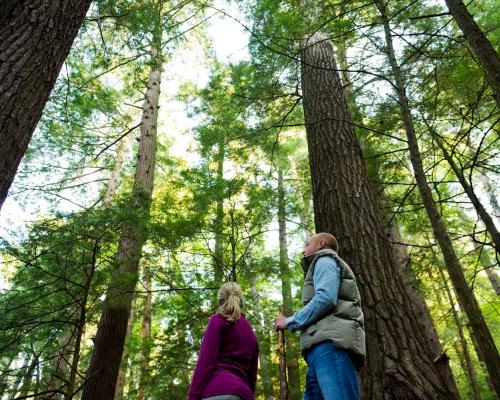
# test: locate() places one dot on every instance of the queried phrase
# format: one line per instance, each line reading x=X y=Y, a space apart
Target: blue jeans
x=331 y=375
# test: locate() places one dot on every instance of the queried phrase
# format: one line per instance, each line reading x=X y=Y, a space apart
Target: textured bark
x=35 y=38
x=465 y=296
x=112 y=328
x=292 y=350
x=398 y=365
x=393 y=233
x=120 y=382
x=479 y=44
x=146 y=338
x=466 y=358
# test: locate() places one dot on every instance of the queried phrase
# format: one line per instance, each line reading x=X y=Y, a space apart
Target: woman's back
x=227 y=363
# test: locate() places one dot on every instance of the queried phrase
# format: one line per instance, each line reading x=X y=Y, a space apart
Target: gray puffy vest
x=344 y=323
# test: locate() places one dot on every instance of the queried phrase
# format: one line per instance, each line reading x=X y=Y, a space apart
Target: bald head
x=321 y=241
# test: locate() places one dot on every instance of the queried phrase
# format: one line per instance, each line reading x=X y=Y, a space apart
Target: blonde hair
x=230 y=301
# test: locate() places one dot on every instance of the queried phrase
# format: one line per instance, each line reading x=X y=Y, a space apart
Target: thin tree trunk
x=112 y=185
x=219 y=217
x=112 y=328
x=26 y=387
x=19 y=379
x=35 y=38
x=292 y=351
x=479 y=44
x=465 y=296
x=469 y=366
x=491 y=196
x=469 y=191
x=398 y=364
x=264 y=342
x=489 y=268
x=146 y=338
x=120 y=382
x=80 y=326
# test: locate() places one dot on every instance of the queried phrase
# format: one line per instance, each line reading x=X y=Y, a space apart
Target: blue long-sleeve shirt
x=326 y=281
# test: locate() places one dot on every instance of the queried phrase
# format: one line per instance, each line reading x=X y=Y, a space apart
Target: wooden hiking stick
x=282 y=358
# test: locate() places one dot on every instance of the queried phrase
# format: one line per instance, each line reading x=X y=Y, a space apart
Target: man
x=331 y=322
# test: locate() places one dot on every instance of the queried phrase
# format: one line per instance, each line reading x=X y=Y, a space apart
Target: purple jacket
x=227 y=363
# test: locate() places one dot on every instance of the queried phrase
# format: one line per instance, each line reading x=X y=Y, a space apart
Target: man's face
x=312 y=246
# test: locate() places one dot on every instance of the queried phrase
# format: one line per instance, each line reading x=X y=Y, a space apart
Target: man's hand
x=280 y=322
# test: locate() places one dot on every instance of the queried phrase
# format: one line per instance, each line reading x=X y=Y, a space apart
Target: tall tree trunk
x=469 y=366
x=489 y=268
x=146 y=338
x=398 y=365
x=122 y=374
x=264 y=342
x=35 y=38
x=469 y=191
x=112 y=185
x=465 y=296
x=491 y=196
x=219 y=216
x=112 y=328
x=80 y=326
x=393 y=233
x=479 y=44
x=292 y=350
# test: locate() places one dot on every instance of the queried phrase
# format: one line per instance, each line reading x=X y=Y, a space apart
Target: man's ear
x=322 y=244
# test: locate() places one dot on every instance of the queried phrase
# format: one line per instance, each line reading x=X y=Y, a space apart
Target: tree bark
x=393 y=233
x=35 y=38
x=292 y=351
x=219 y=217
x=112 y=328
x=479 y=44
x=146 y=338
x=465 y=296
x=120 y=382
x=112 y=185
x=398 y=365
x=466 y=358
x=469 y=191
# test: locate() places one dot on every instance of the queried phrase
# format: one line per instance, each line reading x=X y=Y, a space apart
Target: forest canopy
x=152 y=150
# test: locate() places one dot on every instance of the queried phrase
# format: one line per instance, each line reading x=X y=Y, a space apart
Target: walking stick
x=282 y=358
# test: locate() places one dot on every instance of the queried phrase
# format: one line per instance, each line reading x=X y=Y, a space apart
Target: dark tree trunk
x=466 y=358
x=465 y=296
x=146 y=338
x=112 y=328
x=398 y=367
x=120 y=382
x=479 y=44
x=393 y=233
x=35 y=38
x=292 y=348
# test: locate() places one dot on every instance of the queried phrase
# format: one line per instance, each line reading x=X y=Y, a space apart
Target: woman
x=227 y=364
